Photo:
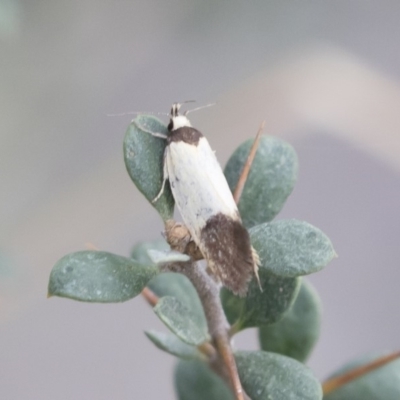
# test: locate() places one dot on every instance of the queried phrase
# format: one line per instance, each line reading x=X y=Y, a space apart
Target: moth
x=206 y=204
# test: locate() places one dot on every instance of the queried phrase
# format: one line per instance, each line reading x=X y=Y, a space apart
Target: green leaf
x=173 y=345
x=290 y=248
x=266 y=376
x=178 y=318
x=261 y=307
x=140 y=251
x=195 y=381
x=381 y=383
x=144 y=158
x=164 y=257
x=287 y=249
x=296 y=334
x=270 y=181
x=178 y=286
x=98 y=276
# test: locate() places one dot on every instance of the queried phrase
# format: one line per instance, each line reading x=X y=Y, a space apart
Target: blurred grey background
x=324 y=76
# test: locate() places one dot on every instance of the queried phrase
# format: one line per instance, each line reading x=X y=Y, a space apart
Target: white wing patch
x=198 y=184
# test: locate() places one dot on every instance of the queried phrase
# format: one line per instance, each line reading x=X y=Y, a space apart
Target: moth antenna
x=136 y=113
x=176 y=106
x=199 y=108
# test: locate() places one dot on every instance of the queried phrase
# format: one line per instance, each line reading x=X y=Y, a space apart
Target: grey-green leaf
x=140 y=250
x=178 y=318
x=266 y=376
x=144 y=157
x=195 y=381
x=270 y=181
x=297 y=332
x=164 y=257
x=382 y=383
x=290 y=248
x=98 y=276
x=178 y=286
x=171 y=344
x=261 y=307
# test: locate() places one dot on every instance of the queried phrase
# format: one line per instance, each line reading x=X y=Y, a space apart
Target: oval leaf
x=180 y=320
x=140 y=250
x=98 y=276
x=173 y=345
x=144 y=159
x=266 y=376
x=164 y=257
x=297 y=332
x=291 y=248
x=178 y=286
x=195 y=381
x=381 y=383
x=270 y=181
x=261 y=307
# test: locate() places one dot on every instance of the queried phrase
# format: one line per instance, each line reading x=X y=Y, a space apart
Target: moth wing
x=209 y=211
x=198 y=184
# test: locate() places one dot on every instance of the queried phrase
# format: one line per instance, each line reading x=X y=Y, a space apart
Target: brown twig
x=332 y=384
x=225 y=351
x=246 y=168
x=218 y=326
x=150 y=296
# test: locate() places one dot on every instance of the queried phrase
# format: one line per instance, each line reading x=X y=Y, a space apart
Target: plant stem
x=150 y=296
x=218 y=325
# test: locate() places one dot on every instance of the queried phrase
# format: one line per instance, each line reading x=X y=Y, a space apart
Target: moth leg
x=165 y=177
x=155 y=134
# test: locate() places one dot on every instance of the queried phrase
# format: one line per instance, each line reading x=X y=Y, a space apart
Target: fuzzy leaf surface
x=178 y=286
x=291 y=248
x=270 y=181
x=261 y=307
x=382 y=383
x=171 y=344
x=297 y=332
x=140 y=250
x=144 y=158
x=194 y=380
x=164 y=257
x=98 y=276
x=266 y=376
x=178 y=318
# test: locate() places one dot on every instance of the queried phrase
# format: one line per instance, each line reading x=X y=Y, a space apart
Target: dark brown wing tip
x=226 y=247
x=239 y=285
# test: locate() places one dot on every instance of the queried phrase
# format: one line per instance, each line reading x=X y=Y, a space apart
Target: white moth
x=206 y=204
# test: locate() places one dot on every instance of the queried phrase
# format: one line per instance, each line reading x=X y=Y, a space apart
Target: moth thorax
x=177 y=122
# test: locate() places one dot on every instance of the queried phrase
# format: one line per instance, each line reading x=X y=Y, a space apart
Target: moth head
x=177 y=120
